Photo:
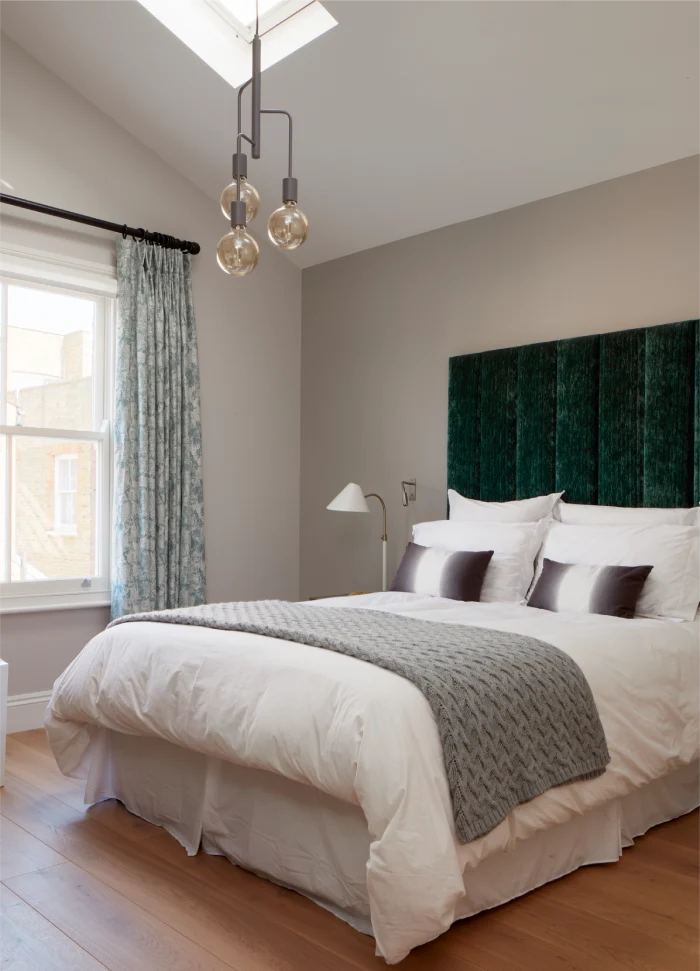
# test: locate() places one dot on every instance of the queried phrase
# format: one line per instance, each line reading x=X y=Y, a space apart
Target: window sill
x=10 y=607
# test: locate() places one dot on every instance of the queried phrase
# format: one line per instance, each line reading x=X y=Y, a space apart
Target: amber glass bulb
x=249 y=195
x=237 y=252
x=288 y=227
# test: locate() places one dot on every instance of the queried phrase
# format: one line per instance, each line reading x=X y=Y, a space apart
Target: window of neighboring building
x=65 y=493
x=55 y=446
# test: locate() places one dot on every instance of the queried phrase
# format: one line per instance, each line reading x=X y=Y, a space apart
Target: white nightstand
x=3 y=718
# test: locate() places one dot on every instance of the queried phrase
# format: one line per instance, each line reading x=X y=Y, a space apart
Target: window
x=66 y=488
x=55 y=445
x=220 y=31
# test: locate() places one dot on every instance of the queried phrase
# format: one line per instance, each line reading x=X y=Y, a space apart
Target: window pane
x=244 y=10
x=54 y=532
x=49 y=358
x=3 y=500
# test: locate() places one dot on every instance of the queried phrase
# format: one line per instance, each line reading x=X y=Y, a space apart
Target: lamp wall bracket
x=408 y=491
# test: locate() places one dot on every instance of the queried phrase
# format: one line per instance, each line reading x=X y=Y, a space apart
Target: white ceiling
x=410 y=114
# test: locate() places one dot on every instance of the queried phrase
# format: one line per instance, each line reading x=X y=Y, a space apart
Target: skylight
x=244 y=10
x=220 y=31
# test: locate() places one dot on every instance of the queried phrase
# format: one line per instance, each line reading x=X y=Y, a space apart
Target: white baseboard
x=26 y=711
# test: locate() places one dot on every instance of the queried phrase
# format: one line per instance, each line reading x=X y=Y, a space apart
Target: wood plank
x=113 y=815
x=41 y=770
x=685 y=831
x=108 y=926
x=667 y=855
x=32 y=943
x=35 y=737
x=502 y=949
x=21 y=853
x=585 y=940
x=663 y=907
x=35 y=764
x=256 y=940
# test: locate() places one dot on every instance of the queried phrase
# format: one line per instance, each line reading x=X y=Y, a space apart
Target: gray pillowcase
x=455 y=574
x=611 y=590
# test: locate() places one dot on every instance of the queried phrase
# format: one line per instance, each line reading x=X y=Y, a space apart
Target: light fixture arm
x=240 y=103
x=374 y=495
x=290 y=184
x=280 y=111
x=384 y=536
x=255 y=97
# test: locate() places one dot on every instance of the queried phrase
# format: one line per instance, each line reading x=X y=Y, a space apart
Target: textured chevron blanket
x=515 y=715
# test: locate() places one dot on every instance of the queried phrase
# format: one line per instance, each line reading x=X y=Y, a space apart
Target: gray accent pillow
x=454 y=574
x=611 y=590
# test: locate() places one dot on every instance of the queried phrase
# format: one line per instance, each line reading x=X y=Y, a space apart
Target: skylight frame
x=277 y=14
x=212 y=31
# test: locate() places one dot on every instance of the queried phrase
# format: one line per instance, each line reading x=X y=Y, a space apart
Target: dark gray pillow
x=455 y=574
x=612 y=590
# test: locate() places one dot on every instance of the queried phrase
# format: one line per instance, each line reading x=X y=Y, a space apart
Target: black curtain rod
x=169 y=242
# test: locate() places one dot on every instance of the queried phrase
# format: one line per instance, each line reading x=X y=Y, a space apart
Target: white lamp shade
x=351 y=499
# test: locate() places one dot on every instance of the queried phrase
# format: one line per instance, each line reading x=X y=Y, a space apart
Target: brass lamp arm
x=376 y=496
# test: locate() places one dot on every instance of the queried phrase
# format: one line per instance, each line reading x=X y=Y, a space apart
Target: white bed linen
x=317 y=845
x=368 y=737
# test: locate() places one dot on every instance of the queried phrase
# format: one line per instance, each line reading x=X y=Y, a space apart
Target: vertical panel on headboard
x=669 y=372
x=499 y=384
x=696 y=430
x=537 y=415
x=464 y=422
x=611 y=419
x=578 y=380
x=621 y=419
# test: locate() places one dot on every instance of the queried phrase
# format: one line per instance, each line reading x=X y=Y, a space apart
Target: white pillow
x=672 y=589
x=517 y=511
x=573 y=513
x=514 y=546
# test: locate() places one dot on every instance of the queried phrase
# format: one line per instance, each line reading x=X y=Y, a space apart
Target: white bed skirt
x=311 y=842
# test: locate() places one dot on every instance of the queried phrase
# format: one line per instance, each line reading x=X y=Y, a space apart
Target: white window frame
x=71 y=460
x=45 y=270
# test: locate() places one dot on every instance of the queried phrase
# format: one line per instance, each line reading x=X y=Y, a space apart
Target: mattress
x=366 y=738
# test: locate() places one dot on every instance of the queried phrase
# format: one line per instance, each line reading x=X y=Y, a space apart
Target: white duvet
x=368 y=736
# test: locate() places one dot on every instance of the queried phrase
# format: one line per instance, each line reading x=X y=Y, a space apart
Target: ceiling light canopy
x=221 y=32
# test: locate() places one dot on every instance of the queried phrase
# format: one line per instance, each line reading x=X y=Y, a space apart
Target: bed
x=325 y=773
x=345 y=799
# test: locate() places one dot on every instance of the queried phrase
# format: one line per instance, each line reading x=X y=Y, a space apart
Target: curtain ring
x=124 y=229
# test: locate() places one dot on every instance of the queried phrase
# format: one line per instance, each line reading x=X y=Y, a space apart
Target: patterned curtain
x=158 y=534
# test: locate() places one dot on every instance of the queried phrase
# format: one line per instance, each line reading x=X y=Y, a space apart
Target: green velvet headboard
x=612 y=419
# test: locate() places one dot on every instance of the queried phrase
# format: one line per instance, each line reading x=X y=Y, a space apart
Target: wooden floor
x=84 y=890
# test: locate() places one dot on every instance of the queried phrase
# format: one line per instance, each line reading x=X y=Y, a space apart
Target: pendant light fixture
x=287 y=227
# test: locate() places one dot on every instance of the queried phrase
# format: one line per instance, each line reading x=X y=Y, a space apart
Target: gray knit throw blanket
x=515 y=715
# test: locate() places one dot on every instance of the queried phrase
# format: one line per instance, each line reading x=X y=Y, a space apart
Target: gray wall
x=379 y=326
x=58 y=148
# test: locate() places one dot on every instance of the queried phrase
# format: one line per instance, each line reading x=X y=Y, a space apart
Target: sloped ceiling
x=410 y=114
